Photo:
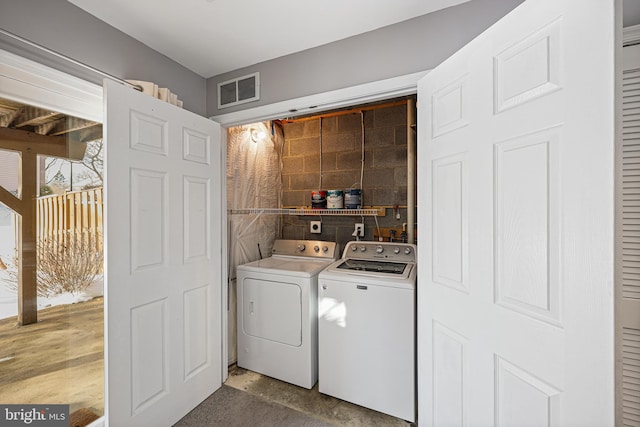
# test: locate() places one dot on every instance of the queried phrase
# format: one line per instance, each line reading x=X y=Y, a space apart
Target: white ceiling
x=211 y=37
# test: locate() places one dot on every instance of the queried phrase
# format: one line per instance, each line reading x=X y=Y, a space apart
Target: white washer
x=367 y=326
x=278 y=311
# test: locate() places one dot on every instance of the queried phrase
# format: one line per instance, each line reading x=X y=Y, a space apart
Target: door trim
x=32 y=83
x=349 y=96
x=368 y=92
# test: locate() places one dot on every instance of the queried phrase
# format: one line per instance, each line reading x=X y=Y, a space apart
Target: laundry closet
x=335 y=177
x=273 y=167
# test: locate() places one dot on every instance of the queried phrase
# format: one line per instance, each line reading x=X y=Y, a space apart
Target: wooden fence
x=73 y=213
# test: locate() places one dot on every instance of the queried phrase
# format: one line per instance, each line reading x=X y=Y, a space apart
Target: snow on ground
x=9 y=298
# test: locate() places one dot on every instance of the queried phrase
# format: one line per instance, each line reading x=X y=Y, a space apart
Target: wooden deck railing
x=77 y=212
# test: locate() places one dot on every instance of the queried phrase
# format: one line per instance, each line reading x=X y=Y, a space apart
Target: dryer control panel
x=306 y=248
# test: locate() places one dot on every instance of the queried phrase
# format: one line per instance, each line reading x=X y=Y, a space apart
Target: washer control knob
x=363 y=249
x=316 y=248
x=301 y=248
x=396 y=250
x=354 y=248
x=407 y=250
x=379 y=249
x=325 y=249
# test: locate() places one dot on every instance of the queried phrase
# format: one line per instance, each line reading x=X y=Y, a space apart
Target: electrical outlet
x=360 y=229
x=315 y=227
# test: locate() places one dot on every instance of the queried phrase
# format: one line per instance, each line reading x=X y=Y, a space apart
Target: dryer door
x=272 y=310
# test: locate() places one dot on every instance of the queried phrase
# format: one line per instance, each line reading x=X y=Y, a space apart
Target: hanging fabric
x=253 y=180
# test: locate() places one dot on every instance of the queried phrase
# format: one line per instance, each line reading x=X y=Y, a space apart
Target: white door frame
x=339 y=98
x=346 y=97
x=29 y=82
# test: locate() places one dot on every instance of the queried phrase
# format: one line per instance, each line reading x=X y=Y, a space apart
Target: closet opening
x=317 y=177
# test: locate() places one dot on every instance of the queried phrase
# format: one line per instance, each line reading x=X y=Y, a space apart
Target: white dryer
x=278 y=311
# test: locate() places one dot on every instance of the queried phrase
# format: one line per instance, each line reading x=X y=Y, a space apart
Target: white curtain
x=254 y=180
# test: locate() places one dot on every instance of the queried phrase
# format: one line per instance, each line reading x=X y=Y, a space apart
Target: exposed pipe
x=344 y=112
x=362 y=139
x=320 y=160
x=411 y=169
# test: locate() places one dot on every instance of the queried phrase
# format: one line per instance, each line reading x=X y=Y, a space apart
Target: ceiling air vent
x=239 y=90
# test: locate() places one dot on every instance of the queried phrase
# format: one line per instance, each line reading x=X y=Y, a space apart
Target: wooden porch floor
x=58 y=360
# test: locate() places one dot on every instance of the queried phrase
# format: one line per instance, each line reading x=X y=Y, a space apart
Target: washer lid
x=374 y=266
x=406 y=279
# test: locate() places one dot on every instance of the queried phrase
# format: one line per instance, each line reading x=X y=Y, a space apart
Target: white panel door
x=515 y=307
x=163 y=250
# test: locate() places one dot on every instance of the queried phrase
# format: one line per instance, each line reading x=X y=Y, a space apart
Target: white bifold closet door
x=163 y=225
x=516 y=193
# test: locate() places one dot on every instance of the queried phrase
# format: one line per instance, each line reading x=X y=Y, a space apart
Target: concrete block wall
x=385 y=169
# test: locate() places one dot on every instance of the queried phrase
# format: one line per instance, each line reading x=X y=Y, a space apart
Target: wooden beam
x=23 y=141
x=33 y=116
x=90 y=134
x=45 y=128
x=27 y=243
x=68 y=147
x=76 y=150
x=64 y=126
x=12 y=202
x=8 y=117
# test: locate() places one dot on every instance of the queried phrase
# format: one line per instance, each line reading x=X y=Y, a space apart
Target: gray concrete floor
x=311 y=402
x=230 y=407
